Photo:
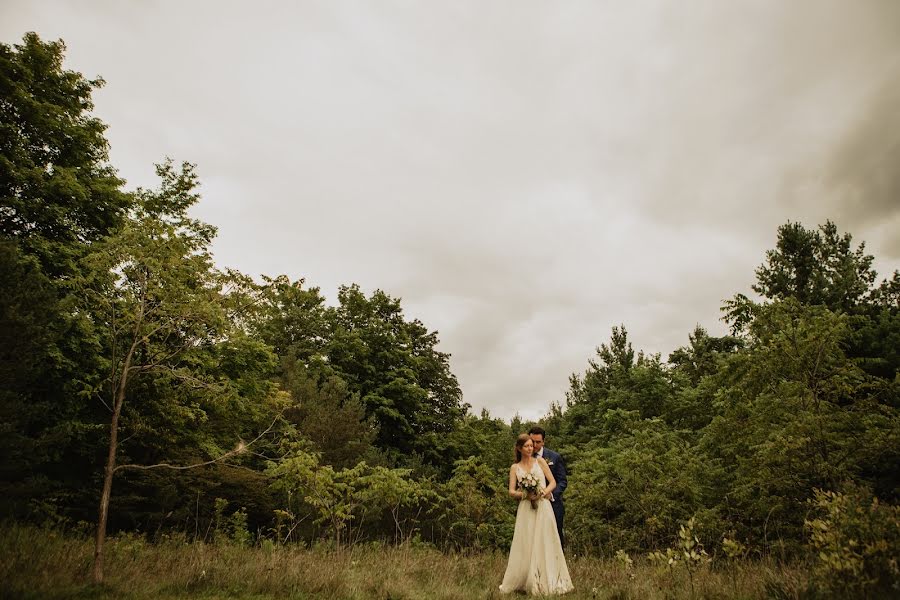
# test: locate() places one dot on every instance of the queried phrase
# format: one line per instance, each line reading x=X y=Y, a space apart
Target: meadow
x=41 y=563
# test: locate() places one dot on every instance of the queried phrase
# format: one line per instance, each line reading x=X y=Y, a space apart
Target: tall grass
x=38 y=563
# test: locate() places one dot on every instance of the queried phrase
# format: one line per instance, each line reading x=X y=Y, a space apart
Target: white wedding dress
x=536 y=562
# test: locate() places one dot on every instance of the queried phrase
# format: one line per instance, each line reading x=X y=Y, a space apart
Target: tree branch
x=241 y=447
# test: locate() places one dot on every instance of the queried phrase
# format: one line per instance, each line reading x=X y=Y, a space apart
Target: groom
x=558 y=468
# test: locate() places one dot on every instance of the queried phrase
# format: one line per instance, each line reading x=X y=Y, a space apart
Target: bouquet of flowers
x=529 y=484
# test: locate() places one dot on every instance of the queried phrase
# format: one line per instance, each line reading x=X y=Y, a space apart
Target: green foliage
x=361 y=353
x=733 y=549
x=231 y=528
x=475 y=511
x=856 y=542
x=219 y=515
x=875 y=342
x=617 y=381
x=347 y=500
x=58 y=196
x=490 y=439
x=57 y=191
x=816 y=267
x=625 y=560
x=404 y=382
x=633 y=493
x=237 y=527
x=687 y=551
x=159 y=310
x=405 y=499
x=795 y=414
x=692 y=551
x=703 y=357
x=290 y=319
x=331 y=417
x=27 y=327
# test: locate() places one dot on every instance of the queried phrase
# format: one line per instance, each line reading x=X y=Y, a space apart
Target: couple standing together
x=537 y=480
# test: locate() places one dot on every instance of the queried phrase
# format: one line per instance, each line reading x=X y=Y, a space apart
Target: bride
x=536 y=562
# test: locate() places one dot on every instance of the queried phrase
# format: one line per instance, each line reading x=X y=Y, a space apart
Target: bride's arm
x=513 y=492
x=548 y=491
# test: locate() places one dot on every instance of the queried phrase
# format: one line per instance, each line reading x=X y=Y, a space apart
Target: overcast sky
x=524 y=175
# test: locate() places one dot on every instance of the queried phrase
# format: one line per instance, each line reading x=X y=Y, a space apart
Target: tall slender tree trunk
x=109 y=471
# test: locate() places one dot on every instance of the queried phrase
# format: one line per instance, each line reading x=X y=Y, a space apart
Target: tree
x=875 y=343
x=58 y=196
x=616 y=380
x=694 y=374
x=887 y=294
x=490 y=439
x=157 y=304
x=703 y=355
x=333 y=419
x=57 y=191
x=24 y=364
x=795 y=413
x=393 y=364
x=633 y=493
x=291 y=319
x=816 y=267
x=393 y=490
x=821 y=267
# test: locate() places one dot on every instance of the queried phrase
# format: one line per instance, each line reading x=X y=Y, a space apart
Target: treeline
x=739 y=431
x=142 y=384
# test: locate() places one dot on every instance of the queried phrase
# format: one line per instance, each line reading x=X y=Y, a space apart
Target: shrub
x=856 y=540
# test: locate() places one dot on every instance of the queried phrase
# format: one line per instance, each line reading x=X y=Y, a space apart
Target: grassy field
x=36 y=563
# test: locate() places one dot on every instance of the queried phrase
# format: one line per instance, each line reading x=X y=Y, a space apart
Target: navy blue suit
x=558 y=468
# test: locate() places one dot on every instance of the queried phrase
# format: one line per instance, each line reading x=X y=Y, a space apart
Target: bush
x=856 y=540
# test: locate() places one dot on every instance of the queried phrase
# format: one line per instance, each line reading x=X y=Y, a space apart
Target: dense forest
x=143 y=388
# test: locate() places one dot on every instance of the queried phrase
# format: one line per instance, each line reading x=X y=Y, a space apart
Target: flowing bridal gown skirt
x=536 y=562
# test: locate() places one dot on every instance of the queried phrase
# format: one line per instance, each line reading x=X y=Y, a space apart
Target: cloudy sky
x=524 y=175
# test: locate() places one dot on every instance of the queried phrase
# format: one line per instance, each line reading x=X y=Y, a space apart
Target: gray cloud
x=864 y=171
x=524 y=176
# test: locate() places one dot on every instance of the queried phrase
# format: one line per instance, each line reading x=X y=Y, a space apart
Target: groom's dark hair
x=537 y=431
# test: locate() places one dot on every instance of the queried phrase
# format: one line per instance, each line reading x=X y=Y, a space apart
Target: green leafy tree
x=389 y=365
x=291 y=319
x=159 y=310
x=822 y=267
x=816 y=267
x=875 y=343
x=24 y=335
x=703 y=355
x=617 y=380
x=58 y=196
x=796 y=413
x=694 y=370
x=393 y=364
x=57 y=191
x=335 y=495
x=490 y=439
x=333 y=419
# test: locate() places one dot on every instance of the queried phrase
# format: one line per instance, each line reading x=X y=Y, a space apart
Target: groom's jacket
x=558 y=468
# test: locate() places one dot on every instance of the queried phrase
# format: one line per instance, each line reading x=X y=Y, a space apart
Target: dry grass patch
x=36 y=563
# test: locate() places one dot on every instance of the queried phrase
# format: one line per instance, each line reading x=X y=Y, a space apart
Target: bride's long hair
x=520 y=442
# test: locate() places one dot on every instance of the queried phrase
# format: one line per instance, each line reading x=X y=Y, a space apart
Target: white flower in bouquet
x=530 y=485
